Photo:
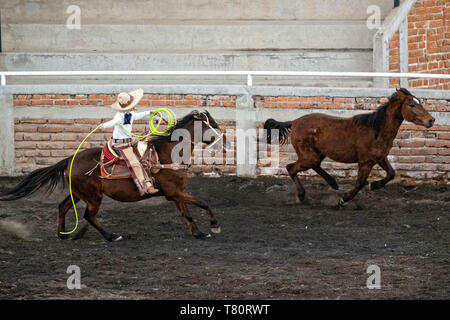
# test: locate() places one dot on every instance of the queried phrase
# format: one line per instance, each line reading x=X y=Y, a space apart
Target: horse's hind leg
x=181 y=205
x=390 y=175
x=329 y=179
x=90 y=215
x=64 y=207
x=215 y=228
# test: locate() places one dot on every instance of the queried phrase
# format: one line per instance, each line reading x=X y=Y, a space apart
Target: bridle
x=219 y=136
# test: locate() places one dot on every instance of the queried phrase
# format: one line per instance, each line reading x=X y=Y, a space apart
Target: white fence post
x=395 y=21
x=7 y=134
x=246 y=137
x=249 y=80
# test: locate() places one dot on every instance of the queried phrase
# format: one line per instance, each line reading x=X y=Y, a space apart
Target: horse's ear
x=399 y=92
x=197 y=115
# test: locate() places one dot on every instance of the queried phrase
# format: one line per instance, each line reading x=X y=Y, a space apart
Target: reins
x=214 y=130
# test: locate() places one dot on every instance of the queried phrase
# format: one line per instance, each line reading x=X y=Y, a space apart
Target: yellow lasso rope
x=172 y=120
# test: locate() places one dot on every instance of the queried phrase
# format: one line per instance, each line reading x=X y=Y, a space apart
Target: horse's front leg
x=390 y=175
x=363 y=174
x=215 y=227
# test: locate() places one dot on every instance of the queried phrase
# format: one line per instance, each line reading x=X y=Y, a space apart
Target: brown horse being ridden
x=91 y=188
x=365 y=139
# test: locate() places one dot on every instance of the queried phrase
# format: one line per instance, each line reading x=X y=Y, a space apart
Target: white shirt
x=119 y=133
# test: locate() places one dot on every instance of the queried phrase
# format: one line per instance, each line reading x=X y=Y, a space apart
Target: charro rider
x=121 y=139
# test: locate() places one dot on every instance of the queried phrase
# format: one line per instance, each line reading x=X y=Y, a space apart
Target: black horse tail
x=284 y=128
x=49 y=176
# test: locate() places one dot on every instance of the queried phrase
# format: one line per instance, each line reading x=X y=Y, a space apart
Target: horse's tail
x=49 y=176
x=284 y=128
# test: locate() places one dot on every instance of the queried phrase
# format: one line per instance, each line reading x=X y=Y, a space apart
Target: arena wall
x=48 y=126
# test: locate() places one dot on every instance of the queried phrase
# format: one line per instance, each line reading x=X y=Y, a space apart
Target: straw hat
x=127 y=101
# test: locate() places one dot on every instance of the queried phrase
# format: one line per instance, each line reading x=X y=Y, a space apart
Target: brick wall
x=41 y=142
x=428 y=44
x=418 y=153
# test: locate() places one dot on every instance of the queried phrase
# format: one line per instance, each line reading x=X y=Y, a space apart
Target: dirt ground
x=269 y=248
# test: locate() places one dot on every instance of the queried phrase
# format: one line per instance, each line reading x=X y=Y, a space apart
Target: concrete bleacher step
x=143 y=11
x=186 y=37
x=291 y=60
x=294 y=60
x=284 y=35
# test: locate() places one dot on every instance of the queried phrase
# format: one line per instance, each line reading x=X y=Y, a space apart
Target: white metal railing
x=397 y=20
x=248 y=74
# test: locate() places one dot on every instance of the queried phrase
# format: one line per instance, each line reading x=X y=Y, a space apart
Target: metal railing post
x=403 y=52
x=249 y=80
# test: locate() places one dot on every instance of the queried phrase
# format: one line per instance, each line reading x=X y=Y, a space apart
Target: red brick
x=438 y=143
x=64 y=137
x=87 y=121
x=344 y=100
x=25 y=145
x=60 y=121
x=21 y=103
x=36 y=136
x=42 y=102
x=25 y=128
x=62 y=96
x=409 y=143
x=50 y=129
x=444 y=135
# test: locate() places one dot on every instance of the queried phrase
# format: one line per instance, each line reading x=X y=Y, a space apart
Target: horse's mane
x=159 y=140
x=377 y=119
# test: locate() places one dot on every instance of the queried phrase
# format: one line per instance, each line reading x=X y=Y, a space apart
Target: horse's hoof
x=202 y=235
x=117 y=238
x=216 y=230
x=113 y=238
x=300 y=199
x=373 y=186
x=341 y=203
x=62 y=236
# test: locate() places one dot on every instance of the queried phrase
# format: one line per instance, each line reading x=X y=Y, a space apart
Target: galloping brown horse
x=365 y=139
x=91 y=188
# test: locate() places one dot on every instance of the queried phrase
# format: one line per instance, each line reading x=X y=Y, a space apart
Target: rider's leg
x=140 y=177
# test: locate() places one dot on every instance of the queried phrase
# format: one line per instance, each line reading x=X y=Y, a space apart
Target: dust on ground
x=270 y=247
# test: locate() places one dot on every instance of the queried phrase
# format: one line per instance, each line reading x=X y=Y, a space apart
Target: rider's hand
x=100 y=126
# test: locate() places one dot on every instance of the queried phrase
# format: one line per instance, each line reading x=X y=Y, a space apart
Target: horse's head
x=212 y=134
x=412 y=109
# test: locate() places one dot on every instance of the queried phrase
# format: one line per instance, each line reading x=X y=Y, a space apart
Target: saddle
x=113 y=166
